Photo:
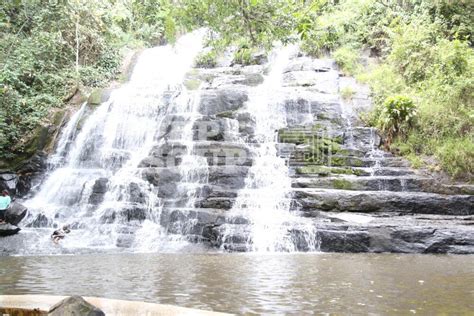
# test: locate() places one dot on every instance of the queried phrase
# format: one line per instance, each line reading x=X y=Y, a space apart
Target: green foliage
x=38 y=49
x=260 y=22
x=456 y=157
x=347 y=58
x=206 y=59
x=244 y=55
x=342 y=184
x=397 y=114
x=347 y=93
x=425 y=54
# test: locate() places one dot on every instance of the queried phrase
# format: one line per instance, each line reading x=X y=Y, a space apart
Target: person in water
x=5 y=201
x=60 y=234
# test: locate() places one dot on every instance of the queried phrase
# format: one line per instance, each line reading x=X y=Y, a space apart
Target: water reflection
x=251 y=283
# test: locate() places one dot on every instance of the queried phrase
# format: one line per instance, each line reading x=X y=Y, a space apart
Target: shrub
x=396 y=115
x=347 y=58
x=244 y=55
x=456 y=156
x=347 y=93
x=206 y=59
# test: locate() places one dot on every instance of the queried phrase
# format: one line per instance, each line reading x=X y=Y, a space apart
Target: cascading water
x=265 y=200
x=377 y=156
x=99 y=188
x=66 y=138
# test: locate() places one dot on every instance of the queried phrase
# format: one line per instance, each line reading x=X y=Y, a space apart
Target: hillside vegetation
x=421 y=73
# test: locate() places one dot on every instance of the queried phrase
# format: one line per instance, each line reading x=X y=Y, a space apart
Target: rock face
x=75 y=305
x=13 y=216
x=358 y=197
x=19 y=183
x=7 y=229
x=15 y=213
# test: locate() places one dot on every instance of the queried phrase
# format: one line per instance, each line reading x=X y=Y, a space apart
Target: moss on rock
x=192 y=84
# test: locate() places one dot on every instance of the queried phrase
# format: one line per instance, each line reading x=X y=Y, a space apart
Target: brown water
x=255 y=283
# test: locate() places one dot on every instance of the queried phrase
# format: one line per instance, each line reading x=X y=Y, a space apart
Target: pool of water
x=256 y=283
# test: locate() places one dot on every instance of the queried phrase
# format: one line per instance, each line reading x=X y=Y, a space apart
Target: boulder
x=313 y=200
x=8 y=181
x=75 y=306
x=222 y=100
x=98 y=190
x=7 y=229
x=15 y=213
x=41 y=220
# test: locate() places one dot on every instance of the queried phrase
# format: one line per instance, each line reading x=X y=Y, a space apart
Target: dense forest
x=416 y=55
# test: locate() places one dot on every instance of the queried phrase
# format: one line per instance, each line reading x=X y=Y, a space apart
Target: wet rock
x=41 y=220
x=8 y=181
x=247 y=79
x=7 y=229
x=223 y=153
x=136 y=194
x=403 y=238
x=228 y=177
x=15 y=213
x=384 y=201
x=229 y=237
x=309 y=64
x=75 y=305
x=184 y=222
x=159 y=176
x=125 y=213
x=364 y=137
x=222 y=100
x=217 y=203
x=98 y=191
x=246 y=125
x=343 y=241
x=324 y=82
x=151 y=162
x=167 y=190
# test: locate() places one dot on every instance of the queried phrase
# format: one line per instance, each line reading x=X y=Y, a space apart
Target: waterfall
x=99 y=188
x=265 y=200
x=67 y=136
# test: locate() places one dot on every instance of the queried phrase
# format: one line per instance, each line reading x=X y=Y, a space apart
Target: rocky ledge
x=13 y=216
x=355 y=196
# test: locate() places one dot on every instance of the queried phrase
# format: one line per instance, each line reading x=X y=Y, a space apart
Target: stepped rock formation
x=358 y=197
x=257 y=158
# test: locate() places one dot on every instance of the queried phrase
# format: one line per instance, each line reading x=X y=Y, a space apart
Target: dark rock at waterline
x=414 y=239
x=98 y=191
x=41 y=220
x=131 y=212
x=7 y=229
x=75 y=305
x=15 y=213
x=394 y=236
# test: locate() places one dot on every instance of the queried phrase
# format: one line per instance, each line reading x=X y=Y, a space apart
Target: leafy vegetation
x=424 y=60
x=49 y=49
x=396 y=116
x=207 y=59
